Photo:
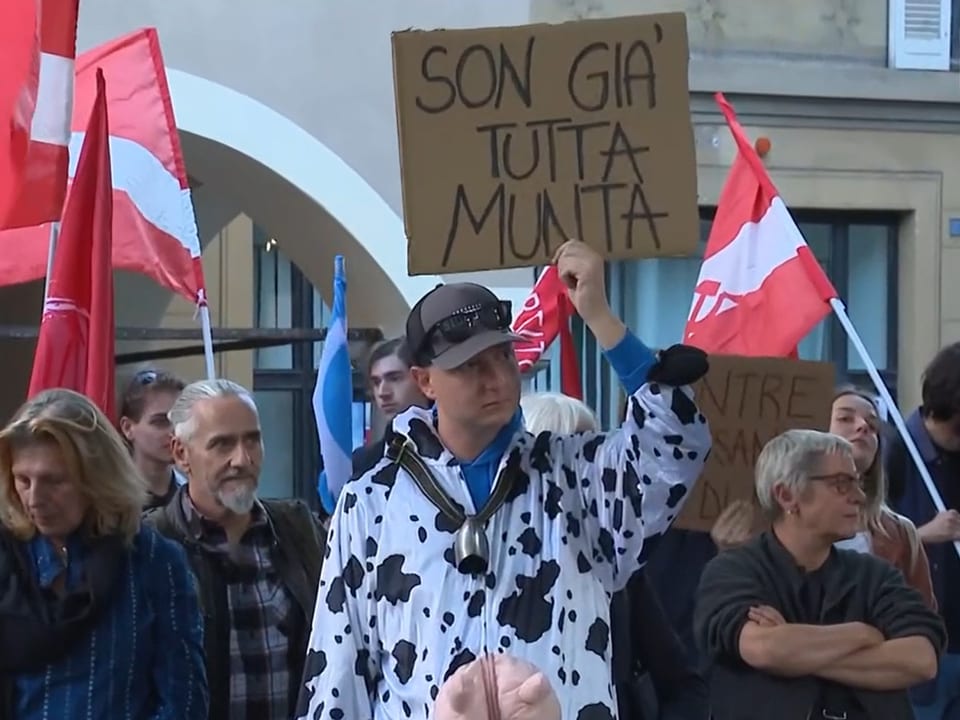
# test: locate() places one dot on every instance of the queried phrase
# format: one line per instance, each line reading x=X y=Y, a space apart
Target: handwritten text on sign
x=514 y=140
x=748 y=401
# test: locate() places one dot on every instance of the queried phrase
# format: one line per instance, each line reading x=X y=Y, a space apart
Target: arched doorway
x=301 y=193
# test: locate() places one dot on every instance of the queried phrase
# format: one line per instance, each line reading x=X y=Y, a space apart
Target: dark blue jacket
x=909 y=496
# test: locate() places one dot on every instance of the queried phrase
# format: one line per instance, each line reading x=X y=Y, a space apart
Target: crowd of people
x=494 y=556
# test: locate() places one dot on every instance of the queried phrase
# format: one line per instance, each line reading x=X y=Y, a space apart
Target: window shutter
x=919 y=34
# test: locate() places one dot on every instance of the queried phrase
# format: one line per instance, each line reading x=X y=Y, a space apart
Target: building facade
x=286 y=113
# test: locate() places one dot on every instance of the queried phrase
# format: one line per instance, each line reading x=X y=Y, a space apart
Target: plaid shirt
x=260 y=613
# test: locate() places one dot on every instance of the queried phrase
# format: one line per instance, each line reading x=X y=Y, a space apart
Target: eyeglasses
x=841 y=482
x=463 y=324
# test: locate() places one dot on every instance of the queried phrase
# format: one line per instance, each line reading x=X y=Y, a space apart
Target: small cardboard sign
x=749 y=401
x=514 y=140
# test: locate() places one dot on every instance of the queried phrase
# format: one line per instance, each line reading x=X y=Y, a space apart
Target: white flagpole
x=206 y=333
x=841 y=312
x=51 y=249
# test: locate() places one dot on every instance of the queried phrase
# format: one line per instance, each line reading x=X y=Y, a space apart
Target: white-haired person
x=98 y=614
x=651 y=672
x=793 y=627
x=257 y=561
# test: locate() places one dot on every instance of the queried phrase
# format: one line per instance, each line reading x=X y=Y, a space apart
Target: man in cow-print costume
x=394 y=615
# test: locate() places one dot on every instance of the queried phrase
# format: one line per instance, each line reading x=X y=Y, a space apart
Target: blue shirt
x=144 y=657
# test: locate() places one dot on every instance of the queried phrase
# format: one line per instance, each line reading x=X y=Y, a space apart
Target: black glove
x=679 y=365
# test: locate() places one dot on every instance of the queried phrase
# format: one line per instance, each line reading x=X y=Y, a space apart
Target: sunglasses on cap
x=145 y=377
x=465 y=323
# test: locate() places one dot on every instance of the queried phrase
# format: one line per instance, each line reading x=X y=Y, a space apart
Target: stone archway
x=302 y=193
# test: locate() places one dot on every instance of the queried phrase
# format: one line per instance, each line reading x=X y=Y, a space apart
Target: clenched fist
x=581 y=269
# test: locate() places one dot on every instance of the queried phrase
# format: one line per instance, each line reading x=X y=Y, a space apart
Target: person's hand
x=734 y=526
x=945 y=527
x=765 y=616
x=580 y=268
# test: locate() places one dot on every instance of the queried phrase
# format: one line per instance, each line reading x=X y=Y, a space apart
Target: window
x=858 y=253
x=919 y=34
x=284 y=376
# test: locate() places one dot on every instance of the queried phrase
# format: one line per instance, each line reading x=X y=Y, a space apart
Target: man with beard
x=257 y=562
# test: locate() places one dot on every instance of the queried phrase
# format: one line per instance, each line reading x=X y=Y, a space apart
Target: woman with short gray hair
x=785 y=462
x=792 y=627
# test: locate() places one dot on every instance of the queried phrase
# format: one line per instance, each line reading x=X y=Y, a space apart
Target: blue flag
x=333 y=398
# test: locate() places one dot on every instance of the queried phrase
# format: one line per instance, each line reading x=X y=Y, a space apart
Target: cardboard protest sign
x=514 y=140
x=748 y=401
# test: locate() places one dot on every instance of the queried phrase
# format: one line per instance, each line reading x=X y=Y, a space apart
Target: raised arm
x=629 y=485
x=179 y=674
x=340 y=673
x=730 y=587
x=914 y=638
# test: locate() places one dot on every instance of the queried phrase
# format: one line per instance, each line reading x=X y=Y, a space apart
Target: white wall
x=325 y=66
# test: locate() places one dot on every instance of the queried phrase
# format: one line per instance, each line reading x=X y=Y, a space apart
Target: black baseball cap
x=452 y=323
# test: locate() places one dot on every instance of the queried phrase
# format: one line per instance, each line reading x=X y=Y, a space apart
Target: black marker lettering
x=551 y=221
x=550 y=124
x=527 y=207
x=426 y=74
x=511 y=228
x=462 y=204
x=491 y=82
x=648 y=76
x=604 y=189
x=579 y=130
x=603 y=94
x=620 y=146
x=494 y=131
x=523 y=87
x=534 y=156
x=644 y=212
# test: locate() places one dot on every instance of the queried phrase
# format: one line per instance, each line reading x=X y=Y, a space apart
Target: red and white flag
x=38 y=44
x=154 y=225
x=75 y=348
x=546 y=314
x=760 y=289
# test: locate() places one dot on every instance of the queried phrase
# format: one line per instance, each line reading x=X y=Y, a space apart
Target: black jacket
x=297 y=556
x=857 y=588
x=653 y=677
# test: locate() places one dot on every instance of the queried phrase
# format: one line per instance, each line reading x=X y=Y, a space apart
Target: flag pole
x=206 y=333
x=51 y=249
x=841 y=312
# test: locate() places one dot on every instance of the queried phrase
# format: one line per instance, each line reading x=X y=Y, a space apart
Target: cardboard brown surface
x=748 y=401
x=513 y=140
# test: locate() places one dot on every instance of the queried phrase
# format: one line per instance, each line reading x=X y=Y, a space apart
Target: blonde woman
x=98 y=614
x=886 y=534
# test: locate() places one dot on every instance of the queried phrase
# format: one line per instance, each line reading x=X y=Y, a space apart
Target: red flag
x=38 y=40
x=546 y=314
x=154 y=225
x=760 y=289
x=75 y=348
